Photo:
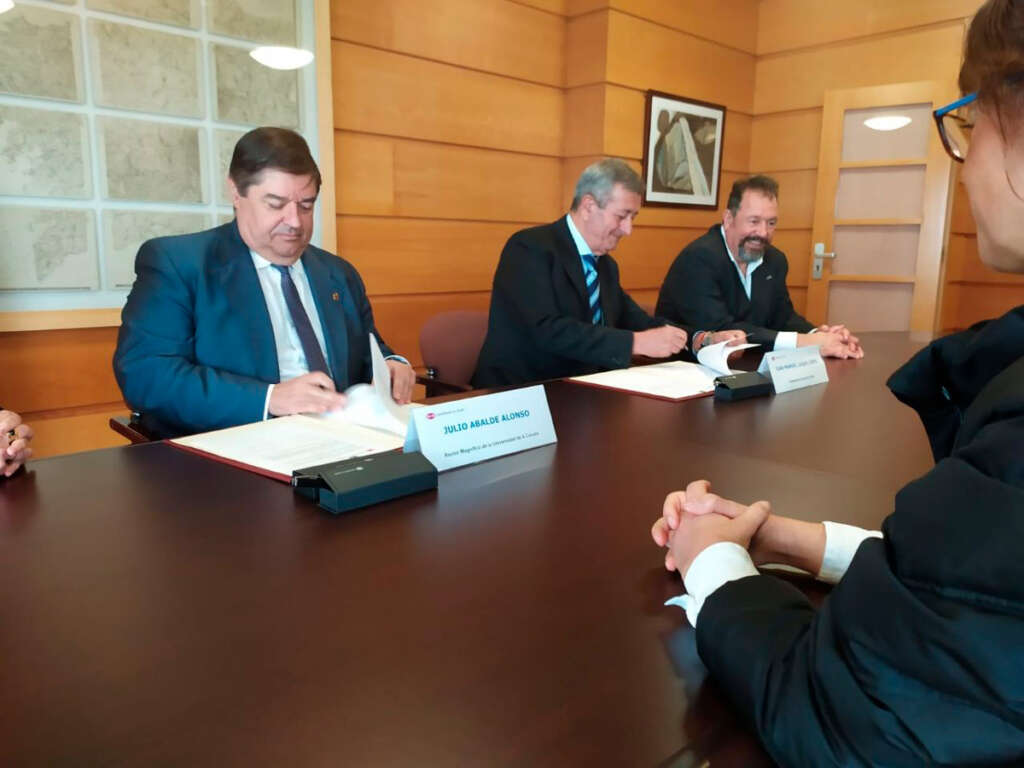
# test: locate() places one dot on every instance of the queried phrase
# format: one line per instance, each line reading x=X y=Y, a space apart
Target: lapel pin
x=334 y=296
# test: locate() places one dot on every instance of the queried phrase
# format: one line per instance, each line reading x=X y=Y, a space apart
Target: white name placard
x=475 y=429
x=794 y=368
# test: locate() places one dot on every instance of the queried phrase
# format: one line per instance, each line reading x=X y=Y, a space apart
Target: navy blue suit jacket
x=196 y=349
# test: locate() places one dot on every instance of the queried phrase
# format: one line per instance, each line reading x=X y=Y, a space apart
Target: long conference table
x=159 y=608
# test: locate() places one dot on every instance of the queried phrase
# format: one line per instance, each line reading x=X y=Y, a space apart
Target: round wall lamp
x=887 y=122
x=279 y=56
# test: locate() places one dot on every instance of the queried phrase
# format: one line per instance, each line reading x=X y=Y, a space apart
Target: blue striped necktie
x=593 y=289
x=307 y=337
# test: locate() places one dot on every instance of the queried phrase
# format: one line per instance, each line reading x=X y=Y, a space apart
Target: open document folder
x=676 y=380
x=371 y=422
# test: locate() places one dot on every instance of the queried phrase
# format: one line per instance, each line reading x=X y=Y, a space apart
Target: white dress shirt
x=291 y=360
x=581 y=244
x=783 y=339
x=725 y=561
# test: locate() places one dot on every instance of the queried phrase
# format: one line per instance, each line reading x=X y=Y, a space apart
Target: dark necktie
x=593 y=289
x=310 y=346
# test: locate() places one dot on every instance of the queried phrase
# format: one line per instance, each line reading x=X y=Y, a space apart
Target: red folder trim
x=232 y=463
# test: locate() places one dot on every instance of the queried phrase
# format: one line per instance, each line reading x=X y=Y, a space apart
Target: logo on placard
x=431 y=415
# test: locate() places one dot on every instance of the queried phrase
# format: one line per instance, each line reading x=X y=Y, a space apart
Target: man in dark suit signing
x=248 y=320
x=732 y=277
x=557 y=307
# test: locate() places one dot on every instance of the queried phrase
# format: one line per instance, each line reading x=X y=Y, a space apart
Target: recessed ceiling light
x=280 y=57
x=887 y=122
x=6 y=5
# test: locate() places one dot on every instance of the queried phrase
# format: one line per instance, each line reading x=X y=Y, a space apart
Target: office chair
x=450 y=345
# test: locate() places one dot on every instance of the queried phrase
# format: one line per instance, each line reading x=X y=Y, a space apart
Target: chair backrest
x=450 y=344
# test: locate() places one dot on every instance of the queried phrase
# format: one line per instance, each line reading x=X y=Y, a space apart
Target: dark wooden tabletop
x=157 y=608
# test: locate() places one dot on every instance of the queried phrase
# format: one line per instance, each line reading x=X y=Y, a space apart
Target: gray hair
x=598 y=180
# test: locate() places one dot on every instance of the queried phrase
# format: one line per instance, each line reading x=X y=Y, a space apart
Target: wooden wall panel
x=778 y=28
x=982 y=302
x=962 y=220
x=584 y=123
x=70 y=434
x=645 y=256
x=736 y=142
x=798 y=295
x=576 y=8
x=484 y=35
x=965 y=266
x=733 y=22
x=397 y=177
x=58 y=369
x=624 y=122
x=957 y=252
x=644 y=55
x=787 y=141
x=798 y=80
x=647 y=298
x=949 y=314
x=796 y=198
x=399 y=318
x=395 y=255
x=44 y=320
x=796 y=244
x=558 y=7
x=586 y=45
x=441 y=102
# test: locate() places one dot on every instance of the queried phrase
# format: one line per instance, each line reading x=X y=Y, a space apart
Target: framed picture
x=682 y=151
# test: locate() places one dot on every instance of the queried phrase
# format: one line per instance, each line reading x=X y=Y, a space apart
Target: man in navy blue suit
x=248 y=320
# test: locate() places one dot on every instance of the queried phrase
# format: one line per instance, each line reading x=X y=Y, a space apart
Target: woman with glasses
x=917 y=656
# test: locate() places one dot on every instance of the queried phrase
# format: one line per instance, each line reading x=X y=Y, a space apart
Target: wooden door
x=881 y=210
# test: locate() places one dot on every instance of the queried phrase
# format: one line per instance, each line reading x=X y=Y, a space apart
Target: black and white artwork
x=682 y=151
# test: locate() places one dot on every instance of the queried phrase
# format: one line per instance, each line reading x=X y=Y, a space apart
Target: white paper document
x=371 y=405
x=673 y=381
x=280 y=446
x=716 y=356
x=370 y=422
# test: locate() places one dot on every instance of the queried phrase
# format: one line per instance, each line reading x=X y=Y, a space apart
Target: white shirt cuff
x=714 y=566
x=841 y=544
x=266 y=403
x=785 y=340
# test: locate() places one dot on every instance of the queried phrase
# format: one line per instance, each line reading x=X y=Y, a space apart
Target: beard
x=746 y=255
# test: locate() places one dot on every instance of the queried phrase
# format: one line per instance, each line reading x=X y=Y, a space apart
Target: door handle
x=819 y=260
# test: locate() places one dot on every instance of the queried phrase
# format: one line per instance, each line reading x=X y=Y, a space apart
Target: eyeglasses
x=955 y=122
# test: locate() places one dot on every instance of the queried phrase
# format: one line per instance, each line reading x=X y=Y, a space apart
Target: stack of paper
x=277 y=447
x=670 y=381
x=370 y=422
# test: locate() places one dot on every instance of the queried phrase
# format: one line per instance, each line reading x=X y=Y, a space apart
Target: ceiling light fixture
x=280 y=57
x=6 y=5
x=887 y=122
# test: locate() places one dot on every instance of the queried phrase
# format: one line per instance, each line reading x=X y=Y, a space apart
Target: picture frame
x=682 y=159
